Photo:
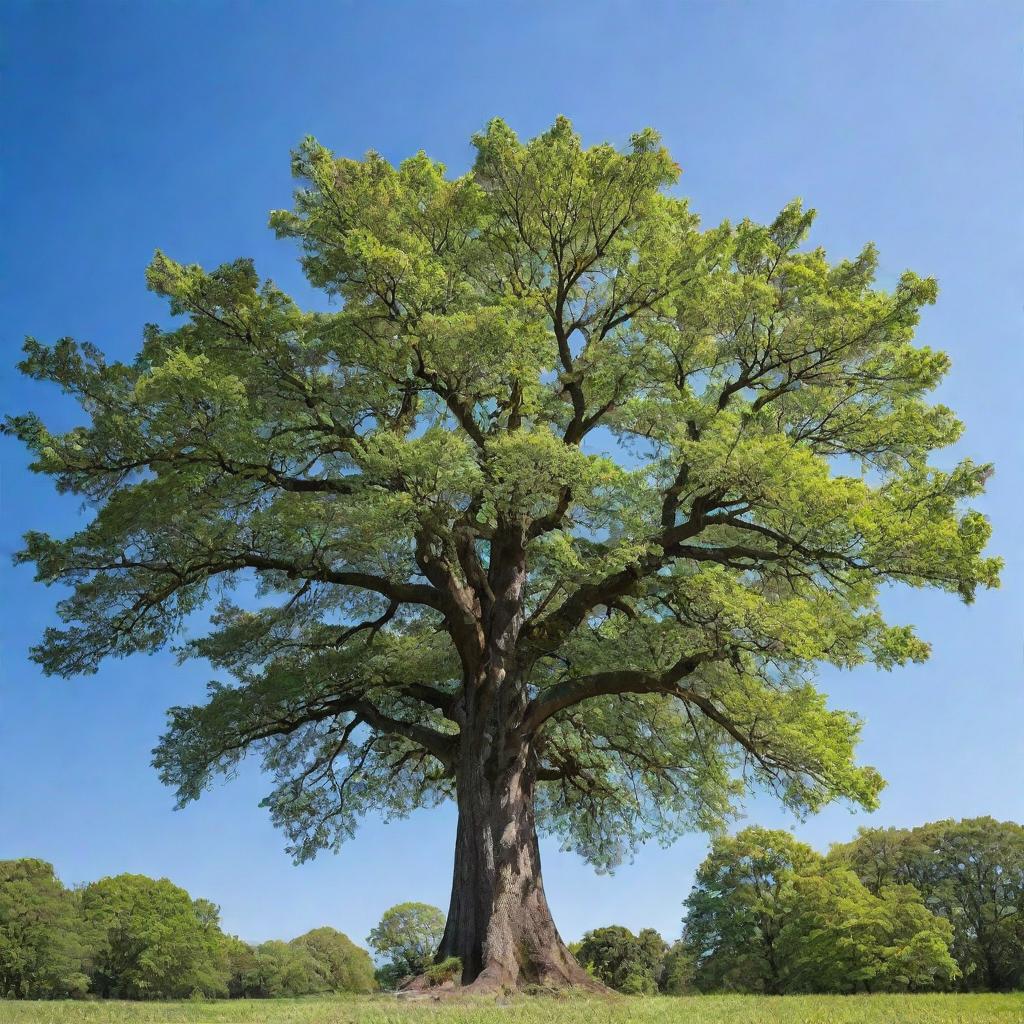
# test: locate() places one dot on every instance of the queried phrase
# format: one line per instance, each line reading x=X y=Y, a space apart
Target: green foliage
x=678 y=970
x=346 y=966
x=389 y=976
x=839 y=937
x=407 y=936
x=276 y=969
x=133 y=937
x=769 y=914
x=152 y=940
x=448 y=969
x=971 y=872
x=240 y=961
x=626 y=962
x=322 y=960
x=736 y=909
x=688 y=459
x=42 y=950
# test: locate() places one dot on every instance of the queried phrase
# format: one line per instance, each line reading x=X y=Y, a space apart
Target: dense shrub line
x=133 y=937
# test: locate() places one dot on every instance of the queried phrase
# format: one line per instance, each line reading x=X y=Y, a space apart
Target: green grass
x=918 y=1009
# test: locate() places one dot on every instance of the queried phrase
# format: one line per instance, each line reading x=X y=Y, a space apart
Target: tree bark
x=499 y=924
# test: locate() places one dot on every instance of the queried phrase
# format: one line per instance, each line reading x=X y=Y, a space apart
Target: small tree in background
x=554 y=517
x=623 y=961
x=736 y=909
x=678 y=970
x=276 y=969
x=240 y=962
x=839 y=937
x=347 y=967
x=407 y=937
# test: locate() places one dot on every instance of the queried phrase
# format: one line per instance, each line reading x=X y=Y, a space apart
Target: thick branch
x=546 y=634
x=441 y=745
x=574 y=691
x=403 y=593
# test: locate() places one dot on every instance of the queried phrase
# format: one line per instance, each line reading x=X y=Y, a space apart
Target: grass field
x=918 y=1009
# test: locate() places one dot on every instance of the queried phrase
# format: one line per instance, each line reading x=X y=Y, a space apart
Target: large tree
x=553 y=515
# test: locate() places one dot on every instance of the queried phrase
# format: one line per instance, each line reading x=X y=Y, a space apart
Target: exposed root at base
x=490 y=984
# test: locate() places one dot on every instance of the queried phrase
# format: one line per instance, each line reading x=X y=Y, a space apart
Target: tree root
x=496 y=983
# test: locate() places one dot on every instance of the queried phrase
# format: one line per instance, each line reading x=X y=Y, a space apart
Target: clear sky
x=135 y=125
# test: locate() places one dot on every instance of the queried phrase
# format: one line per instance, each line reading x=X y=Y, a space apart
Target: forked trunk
x=499 y=924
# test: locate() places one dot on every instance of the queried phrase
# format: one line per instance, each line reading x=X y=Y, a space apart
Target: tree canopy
x=346 y=966
x=151 y=939
x=135 y=937
x=274 y=969
x=568 y=497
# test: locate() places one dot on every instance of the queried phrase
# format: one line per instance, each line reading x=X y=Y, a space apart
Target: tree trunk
x=499 y=924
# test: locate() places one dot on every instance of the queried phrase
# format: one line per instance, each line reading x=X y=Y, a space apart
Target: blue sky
x=131 y=126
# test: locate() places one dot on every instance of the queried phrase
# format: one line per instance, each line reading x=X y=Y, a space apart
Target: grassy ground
x=922 y=1009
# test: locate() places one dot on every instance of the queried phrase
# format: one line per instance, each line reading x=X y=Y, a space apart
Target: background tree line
x=940 y=906
x=133 y=937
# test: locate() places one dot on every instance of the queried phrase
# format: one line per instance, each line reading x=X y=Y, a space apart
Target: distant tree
x=652 y=952
x=42 y=949
x=408 y=936
x=240 y=962
x=346 y=966
x=152 y=940
x=389 y=976
x=277 y=969
x=769 y=914
x=972 y=873
x=461 y=597
x=677 y=971
x=621 y=960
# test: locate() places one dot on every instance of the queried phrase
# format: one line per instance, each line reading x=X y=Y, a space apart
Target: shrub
x=447 y=970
